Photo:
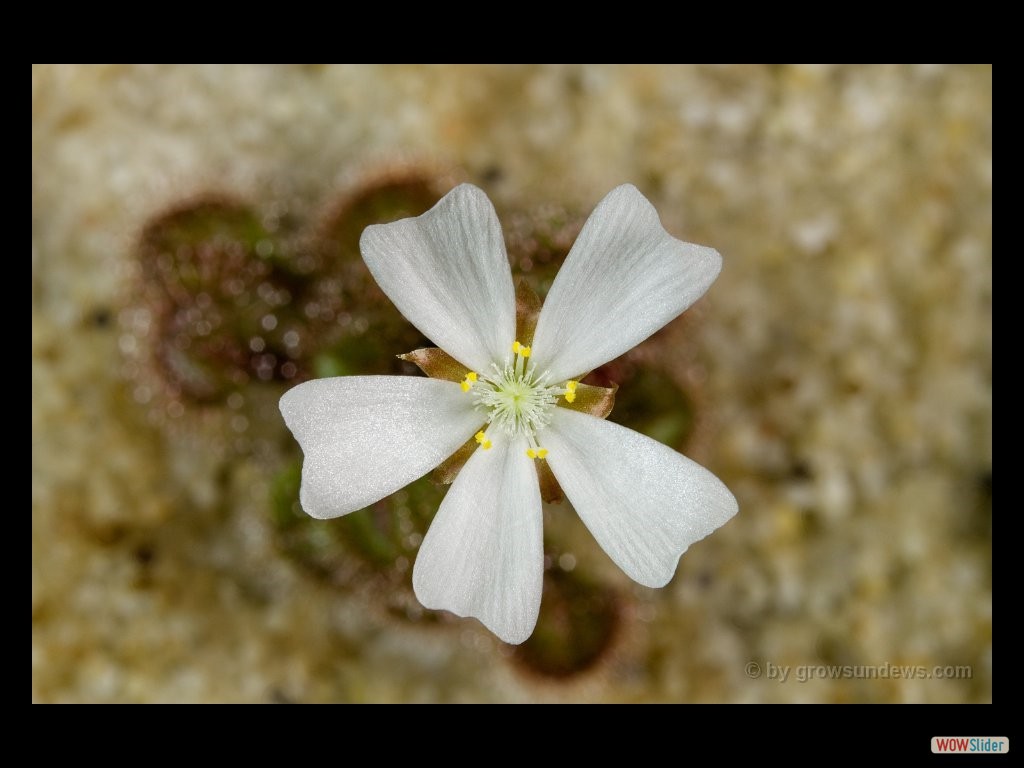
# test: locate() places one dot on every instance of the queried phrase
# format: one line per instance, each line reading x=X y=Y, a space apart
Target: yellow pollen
x=520 y=349
x=480 y=436
x=570 y=397
x=465 y=386
x=531 y=453
x=468 y=381
x=542 y=453
x=472 y=376
x=486 y=445
x=571 y=385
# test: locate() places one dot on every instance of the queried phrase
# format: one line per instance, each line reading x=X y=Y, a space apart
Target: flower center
x=516 y=399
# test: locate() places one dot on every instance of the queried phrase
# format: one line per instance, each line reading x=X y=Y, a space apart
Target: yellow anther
x=542 y=453
x=480 y=436
x=520 y=349
x=570 y=390
x=486 y=445
x=468 y=381
x=531 y=453
x=465 y=386
x=471 y=376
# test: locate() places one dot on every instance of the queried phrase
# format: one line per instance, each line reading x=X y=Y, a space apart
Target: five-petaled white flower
x=365 y=437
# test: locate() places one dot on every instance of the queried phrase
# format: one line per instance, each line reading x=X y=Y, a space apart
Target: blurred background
x=195 y=253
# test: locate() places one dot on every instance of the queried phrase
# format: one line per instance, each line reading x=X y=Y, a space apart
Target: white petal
x=624 y=279
x=483 y=555
x=367 y=436
x=644 y=503
x=448 y=273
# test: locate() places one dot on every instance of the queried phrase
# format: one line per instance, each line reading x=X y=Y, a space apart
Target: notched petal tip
x=364 y=437
x=512 y=635
x=447 y=271
x=644 y=503
x=624 y=279
x=728 y=508
x=483 y=555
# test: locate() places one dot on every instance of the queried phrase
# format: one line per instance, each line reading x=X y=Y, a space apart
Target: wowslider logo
x=978 y=745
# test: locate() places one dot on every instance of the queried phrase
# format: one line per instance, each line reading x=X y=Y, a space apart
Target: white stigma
x=516 y=399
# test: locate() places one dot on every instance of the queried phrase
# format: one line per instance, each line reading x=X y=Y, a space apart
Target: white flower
x=365 y=437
